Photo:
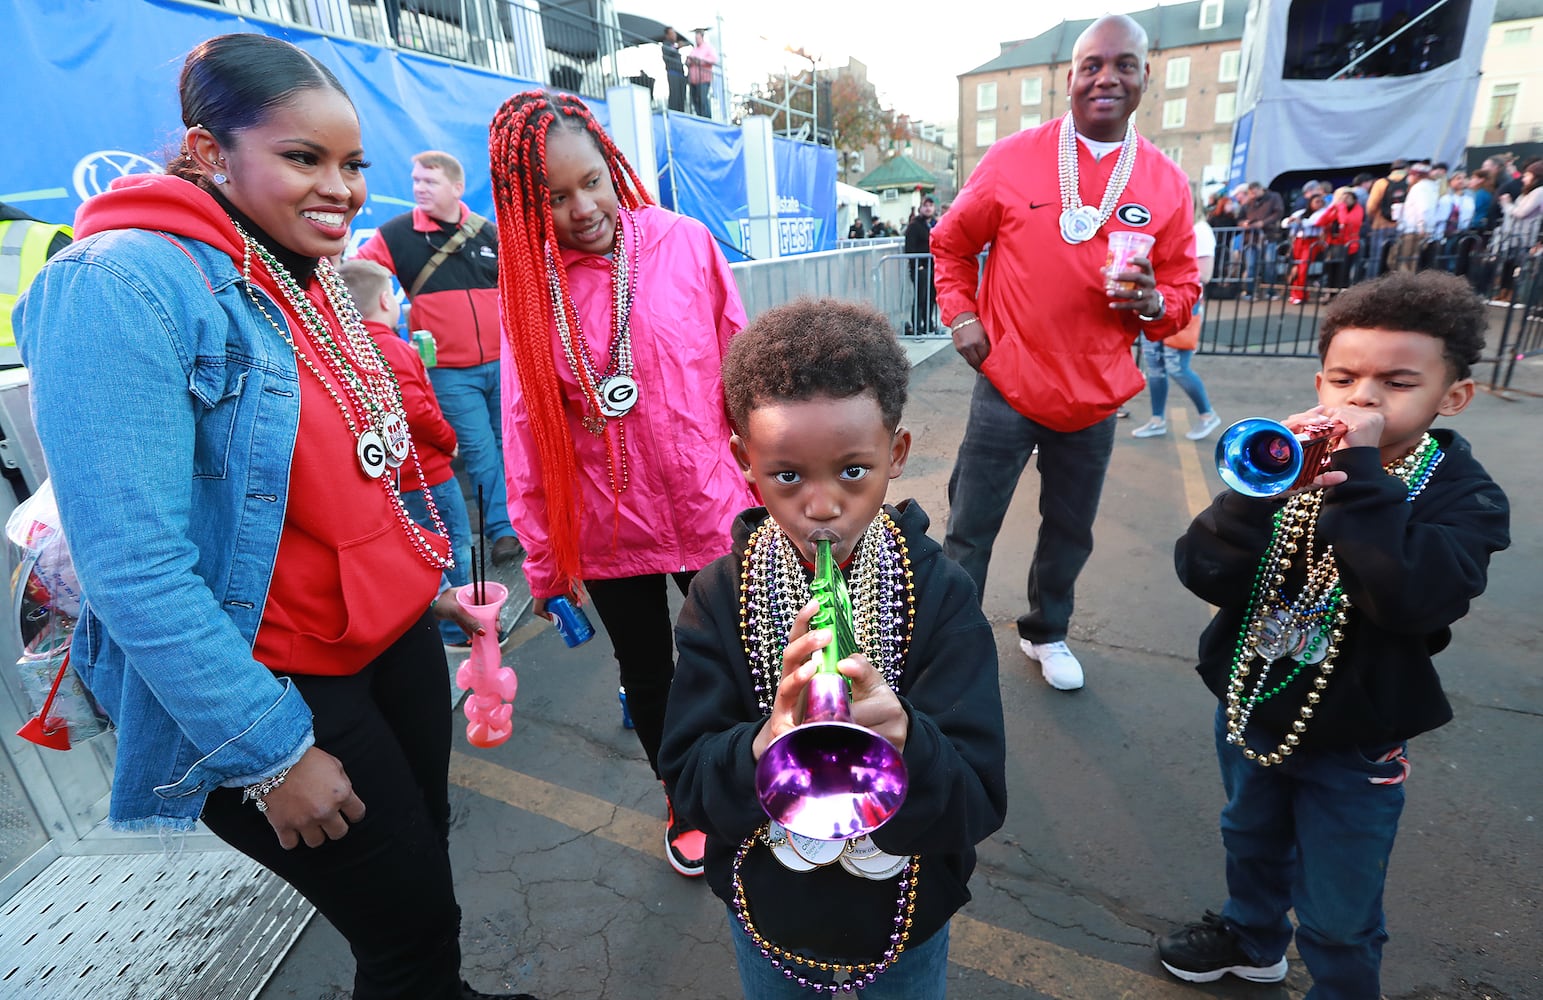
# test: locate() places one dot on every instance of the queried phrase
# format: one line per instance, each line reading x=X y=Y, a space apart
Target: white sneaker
x=1056 y=662
x=1156 y=427
x=1208 y=423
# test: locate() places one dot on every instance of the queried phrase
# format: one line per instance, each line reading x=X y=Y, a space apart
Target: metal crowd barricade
x=1249 y=308
x=904 y=292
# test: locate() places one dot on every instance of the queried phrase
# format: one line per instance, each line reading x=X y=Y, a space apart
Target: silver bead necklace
x=384 y=404
x=1080 y=222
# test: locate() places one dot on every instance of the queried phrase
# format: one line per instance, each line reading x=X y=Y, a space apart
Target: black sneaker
x=1205 y=951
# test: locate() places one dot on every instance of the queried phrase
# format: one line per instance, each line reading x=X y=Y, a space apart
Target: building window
x=1516 y=36
x=1210 y=14
x=1178 y=72
x=1226 y=108
x=985 y=132
x=1033 y=91
x=1173 y=113
x=1030 y=119
x=1174 y=153
x=1221 y=155
x=1227 y=69
x=986 y=96
x=1502 y=106
x=891 y=194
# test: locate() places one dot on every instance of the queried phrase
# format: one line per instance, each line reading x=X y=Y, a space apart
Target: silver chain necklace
x=375 y=449
x=1078 y=221
x=612 y=393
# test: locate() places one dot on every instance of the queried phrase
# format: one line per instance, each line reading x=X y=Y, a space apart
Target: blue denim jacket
x=167 y=406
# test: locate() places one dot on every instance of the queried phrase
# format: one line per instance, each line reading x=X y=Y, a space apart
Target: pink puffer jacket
x=684 y=486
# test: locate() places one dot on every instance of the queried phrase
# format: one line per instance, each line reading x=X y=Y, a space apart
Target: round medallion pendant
x=393 y=429
x=1274 y=637
x=618 y=394
x=817 y=852
x=782 y=850
x=372 y=454
x=1079 y=224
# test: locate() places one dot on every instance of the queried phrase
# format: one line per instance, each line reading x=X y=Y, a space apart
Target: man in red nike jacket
x=1049 y=336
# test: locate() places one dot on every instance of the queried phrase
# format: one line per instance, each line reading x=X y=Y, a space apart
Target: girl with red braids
x=616 y=317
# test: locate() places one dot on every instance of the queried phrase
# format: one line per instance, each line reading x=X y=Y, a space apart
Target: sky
x=914 y=61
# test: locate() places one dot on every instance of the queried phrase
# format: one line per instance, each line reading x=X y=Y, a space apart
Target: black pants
x=386 y=885
x=922 y=302
x=636 y=613
x=998 y=442
x=677 y=93
x=701 y=99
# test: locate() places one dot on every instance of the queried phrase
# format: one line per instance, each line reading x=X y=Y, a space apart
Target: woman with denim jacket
x=222 y=435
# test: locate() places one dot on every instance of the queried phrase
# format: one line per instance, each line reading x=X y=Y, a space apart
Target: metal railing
x=1255 y=303
x=1266 y=297
x=557 y=44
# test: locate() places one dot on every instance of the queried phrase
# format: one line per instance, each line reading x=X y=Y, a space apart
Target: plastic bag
x=45 y=604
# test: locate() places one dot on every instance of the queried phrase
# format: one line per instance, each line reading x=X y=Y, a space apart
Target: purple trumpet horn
x=830 y=779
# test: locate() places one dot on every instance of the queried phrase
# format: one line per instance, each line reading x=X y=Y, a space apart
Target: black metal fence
x=1265 y=297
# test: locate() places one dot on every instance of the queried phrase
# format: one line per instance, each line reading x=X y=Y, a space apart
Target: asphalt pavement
x=1111 y=835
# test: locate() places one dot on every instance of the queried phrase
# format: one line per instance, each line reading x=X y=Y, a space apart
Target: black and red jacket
x=459 y=302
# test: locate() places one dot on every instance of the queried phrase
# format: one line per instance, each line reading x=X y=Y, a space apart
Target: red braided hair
x=526 y=237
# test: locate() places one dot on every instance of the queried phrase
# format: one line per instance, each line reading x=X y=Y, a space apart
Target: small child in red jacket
x=370 y=285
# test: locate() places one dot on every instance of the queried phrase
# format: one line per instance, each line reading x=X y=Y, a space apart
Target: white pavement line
x=1004 y=955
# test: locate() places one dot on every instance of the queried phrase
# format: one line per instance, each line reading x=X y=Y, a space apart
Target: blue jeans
x=1315 y=834
x=920 y=973
x=452 y=510
x=471 y=401
x=998 y=441
x=1380 y=238
x=1163 y=362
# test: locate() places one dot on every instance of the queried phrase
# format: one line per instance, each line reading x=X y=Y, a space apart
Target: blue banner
x=806 y=196
x=702 y=174
x=105 y=72
x=1242 y=132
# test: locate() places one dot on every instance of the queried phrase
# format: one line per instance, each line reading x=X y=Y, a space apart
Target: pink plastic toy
x=491 y=685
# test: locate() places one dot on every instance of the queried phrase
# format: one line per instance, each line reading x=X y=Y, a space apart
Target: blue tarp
x=707 y=181
x=104 y=75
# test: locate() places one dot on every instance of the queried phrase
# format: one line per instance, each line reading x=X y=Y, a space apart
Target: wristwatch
x=1157 y=313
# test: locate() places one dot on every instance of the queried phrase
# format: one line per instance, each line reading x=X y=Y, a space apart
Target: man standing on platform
x=1049 y=336
x=674 y=69
x=446 y=258
x=699 y=73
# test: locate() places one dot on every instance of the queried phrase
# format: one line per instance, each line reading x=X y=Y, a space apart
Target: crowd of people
x=266 y=557
x=1482 y=225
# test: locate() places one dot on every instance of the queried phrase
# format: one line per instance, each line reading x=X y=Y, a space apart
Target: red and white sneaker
x=683 y=846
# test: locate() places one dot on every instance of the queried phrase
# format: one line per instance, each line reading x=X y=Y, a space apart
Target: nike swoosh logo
x=1039 y=204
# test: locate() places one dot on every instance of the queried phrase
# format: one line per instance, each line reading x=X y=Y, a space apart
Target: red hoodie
x=347 y=582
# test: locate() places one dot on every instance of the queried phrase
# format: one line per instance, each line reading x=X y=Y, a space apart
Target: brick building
x=1187 y=111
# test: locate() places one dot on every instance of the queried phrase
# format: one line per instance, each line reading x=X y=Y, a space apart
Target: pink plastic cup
x=1124 y=246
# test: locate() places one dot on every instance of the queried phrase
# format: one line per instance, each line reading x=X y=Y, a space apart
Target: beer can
x=571 y=621
x=423 y=340
x=626 y=716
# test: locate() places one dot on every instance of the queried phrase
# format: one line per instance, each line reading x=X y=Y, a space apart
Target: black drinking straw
x=479 y=558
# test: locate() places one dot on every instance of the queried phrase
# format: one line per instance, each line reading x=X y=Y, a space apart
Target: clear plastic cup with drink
x=1124 y=246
